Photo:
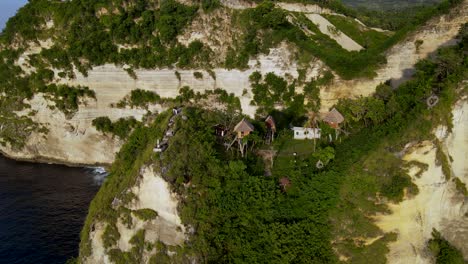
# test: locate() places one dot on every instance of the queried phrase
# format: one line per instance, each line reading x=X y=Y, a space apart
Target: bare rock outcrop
x=152 y=192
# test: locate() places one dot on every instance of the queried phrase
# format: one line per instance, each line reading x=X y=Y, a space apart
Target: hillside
x=54 y=52
x=94 y=82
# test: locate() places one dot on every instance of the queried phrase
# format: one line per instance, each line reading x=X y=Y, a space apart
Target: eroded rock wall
x=151 y=192
x=76 y=141
x=438 y=204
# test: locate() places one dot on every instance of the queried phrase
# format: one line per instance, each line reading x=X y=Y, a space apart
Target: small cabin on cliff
x=306 y=133
x=243 y=128
x=333 y=118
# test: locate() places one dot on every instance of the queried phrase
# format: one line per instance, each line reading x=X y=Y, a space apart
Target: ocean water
x=42 y=210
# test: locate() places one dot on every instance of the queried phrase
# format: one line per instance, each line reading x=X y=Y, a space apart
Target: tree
x=383 y=91
x=375 y=110
x=443 y=251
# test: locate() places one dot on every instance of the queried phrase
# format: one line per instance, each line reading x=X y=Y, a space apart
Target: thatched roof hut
x=243 y=128
x=334 y=118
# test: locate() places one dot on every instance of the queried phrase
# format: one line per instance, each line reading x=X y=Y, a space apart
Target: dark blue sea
x=42 y=210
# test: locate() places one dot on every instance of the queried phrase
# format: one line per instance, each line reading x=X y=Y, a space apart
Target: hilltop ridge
x=95 y=82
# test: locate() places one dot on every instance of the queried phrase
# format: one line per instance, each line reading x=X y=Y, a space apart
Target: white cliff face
x=438 y=205
x=154 y=193
x=76 y=141
x=401 y=58
x=305 y=8
x=111 y=83
x=73 y=140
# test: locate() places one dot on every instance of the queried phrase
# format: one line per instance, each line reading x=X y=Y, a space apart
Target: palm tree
x=312 y=122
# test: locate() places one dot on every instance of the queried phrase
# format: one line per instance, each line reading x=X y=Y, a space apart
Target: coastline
x=52 y=161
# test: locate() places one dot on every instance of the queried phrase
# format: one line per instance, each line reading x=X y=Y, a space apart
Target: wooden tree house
x=241 y=130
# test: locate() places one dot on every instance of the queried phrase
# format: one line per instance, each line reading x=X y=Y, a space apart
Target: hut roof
x=270 y=122
x=244 y=126
x=333 y=117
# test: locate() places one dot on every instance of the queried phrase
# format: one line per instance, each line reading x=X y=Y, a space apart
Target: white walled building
x=306 y=133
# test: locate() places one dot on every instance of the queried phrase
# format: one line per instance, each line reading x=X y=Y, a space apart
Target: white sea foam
x=99 y=174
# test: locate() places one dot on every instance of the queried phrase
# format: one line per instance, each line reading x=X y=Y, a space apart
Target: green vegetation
x=443 y=251
x=135 y=253
x=131 y=73
x=270 y=91
x=461 y=186
x=367 y=38
x=395 y=18
x=140 y=98
x=143 y=35
x=66 y=98
x=273 y=91
x=442 y=160
x=231 y=101
x=121 y=128
x=16 y=130
x=198 y=75
x=233 y=201
x=421 y=166
x=110 y=236
x=412 y=121
x=210 y=5
x=145 y=214
x=16 y=86
x=87 y=37
x=264 y=32
x=394 y=189
x=239 y=214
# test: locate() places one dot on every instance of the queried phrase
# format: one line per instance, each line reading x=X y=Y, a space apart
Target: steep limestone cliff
x=439 y=204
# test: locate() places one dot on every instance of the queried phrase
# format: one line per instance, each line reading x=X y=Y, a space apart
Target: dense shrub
x=121 y=128
x=271 y=90
x=140 y=97
x=66 y=98
x=146 y=214
x=443 y=251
